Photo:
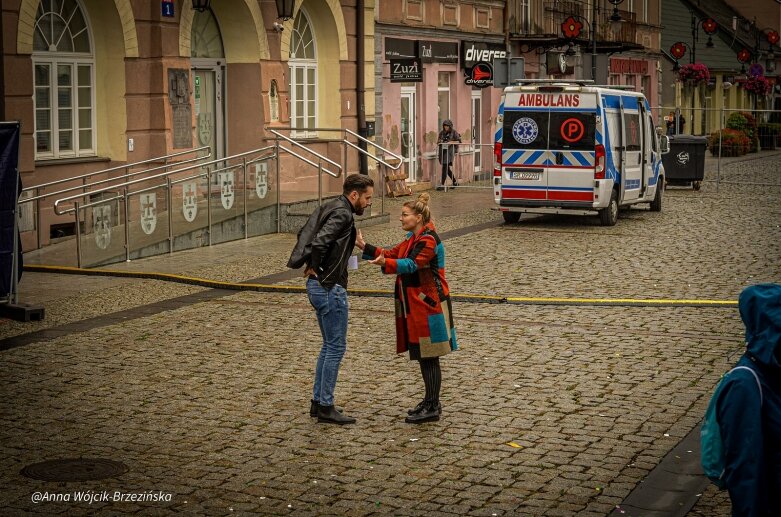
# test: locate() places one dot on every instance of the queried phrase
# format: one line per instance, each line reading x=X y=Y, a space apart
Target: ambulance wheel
x=656 y=204
x=609 y=216
x=696 y=185
x=511 y=217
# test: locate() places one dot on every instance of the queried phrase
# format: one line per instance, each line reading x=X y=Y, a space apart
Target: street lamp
x=571 y=28
x=285 y=9
x=678 y=50
x=200 y=5
x=709 y=26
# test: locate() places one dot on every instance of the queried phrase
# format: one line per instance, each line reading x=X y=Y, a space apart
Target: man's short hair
x=357 y=182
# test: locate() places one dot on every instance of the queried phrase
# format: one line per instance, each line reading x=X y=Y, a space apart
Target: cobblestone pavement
x=547 y=410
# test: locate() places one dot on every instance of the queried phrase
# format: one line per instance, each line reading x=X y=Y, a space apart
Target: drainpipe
x=360 y=86
x=506 y=26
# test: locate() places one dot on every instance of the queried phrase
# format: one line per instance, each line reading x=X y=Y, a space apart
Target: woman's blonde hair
x=420 y=206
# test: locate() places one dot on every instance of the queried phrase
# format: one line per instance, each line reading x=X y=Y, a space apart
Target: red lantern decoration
x=773 y=37
x=678 y=50
x=571 y=28
x=710 y=26
x=744 y=56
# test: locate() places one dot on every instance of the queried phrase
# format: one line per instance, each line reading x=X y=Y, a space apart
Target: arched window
x=303 y=77
x=64 y=75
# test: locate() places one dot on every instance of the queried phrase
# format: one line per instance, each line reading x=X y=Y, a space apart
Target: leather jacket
x=334 y=242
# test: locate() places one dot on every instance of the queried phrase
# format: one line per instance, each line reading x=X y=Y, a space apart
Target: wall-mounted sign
x=167 y=8
x=438 y=52
x=480 y=76
x=628 y=66
x=400 y=48
x=473 y=52
x=406 y=71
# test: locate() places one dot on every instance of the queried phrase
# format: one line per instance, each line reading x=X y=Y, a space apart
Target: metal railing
x=713 y=123
x=472 y=166
x=39 y=195
x=227 y=186
x=346 y=144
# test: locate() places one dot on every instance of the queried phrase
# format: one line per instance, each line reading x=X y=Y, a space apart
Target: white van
x=575 y=148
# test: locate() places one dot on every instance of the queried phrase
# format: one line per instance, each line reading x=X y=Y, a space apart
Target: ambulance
x=575 y=148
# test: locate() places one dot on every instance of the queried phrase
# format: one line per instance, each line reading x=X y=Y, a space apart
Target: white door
x=477 y=130
x=209 y=109
x=632 y=173
x=408 y=141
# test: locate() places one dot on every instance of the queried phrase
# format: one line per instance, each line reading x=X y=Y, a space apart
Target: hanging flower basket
x=758 y=85
x=694 y=74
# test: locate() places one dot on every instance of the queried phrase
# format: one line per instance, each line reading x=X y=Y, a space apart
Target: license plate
x=525 y=175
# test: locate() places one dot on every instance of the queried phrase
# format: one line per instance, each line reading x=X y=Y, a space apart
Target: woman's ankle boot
x=429 y=413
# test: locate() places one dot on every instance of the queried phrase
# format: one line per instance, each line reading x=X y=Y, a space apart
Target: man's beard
x=359 y=210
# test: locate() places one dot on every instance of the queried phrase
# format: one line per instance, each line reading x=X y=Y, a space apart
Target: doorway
x=477 y=133
x=209 y=109
x=408 y=140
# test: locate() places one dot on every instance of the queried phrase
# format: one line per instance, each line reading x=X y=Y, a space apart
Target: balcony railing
x=538 y=18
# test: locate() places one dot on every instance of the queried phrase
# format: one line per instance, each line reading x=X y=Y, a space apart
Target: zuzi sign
x=406 y=70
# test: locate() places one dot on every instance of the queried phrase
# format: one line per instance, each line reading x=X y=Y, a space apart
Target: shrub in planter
x=733 y=143
x=745 y=122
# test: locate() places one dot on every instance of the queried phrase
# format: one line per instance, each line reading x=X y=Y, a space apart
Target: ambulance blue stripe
x=516 y=157
x=533 y=158
x=565 y=160
x=581 y=157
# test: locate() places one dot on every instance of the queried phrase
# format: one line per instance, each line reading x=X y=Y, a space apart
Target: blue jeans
x=331 y=309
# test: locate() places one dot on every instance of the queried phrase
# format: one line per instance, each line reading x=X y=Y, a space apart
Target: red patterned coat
x=424 y=316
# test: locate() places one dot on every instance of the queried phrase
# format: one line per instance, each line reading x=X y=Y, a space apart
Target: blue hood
x=760 y=309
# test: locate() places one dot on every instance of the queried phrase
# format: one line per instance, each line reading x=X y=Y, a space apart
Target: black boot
x=417 y=409
x=329 y=415
x=429 y=413
x=314 y=406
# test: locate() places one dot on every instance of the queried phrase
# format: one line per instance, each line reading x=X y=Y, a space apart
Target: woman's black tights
x=432 y=378
x=446 y=171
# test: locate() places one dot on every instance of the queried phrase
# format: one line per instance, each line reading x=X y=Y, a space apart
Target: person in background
x=750 y=420
x=326 y=287
x=446 y=153
x=424 y=315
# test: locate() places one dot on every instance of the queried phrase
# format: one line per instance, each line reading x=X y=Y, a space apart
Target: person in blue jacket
x=750 y=425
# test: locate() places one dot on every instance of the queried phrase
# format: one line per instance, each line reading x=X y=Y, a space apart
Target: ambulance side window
x=525 y=129
x=652 y=134
x=633 y=132
x=572 y=131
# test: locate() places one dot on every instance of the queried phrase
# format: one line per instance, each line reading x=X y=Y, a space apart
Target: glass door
x=408 y=141
x=477 y=134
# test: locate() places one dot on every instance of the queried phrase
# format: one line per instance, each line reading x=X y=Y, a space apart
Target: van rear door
x=632 y=174
x=572 y=143
x=524 y=153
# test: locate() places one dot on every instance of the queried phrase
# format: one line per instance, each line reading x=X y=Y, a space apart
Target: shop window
x=443 y=98
x=63 y=79
x=303 y=77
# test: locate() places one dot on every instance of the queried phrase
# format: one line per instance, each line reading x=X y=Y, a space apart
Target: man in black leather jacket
x=326 y=287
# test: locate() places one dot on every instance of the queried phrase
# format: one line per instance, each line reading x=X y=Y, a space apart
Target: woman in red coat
x=424 y=319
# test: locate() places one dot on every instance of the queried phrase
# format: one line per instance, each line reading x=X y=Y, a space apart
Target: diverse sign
x=474 y=52
x=480 y=75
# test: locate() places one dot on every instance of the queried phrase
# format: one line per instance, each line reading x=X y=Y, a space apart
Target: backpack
x=711 y=446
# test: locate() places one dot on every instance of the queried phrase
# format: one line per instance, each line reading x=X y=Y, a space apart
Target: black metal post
x=360 y=83
x=593 y=41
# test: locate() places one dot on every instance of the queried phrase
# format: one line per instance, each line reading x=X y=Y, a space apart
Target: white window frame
x=441 y=89
x=53 y=60
x=305 y=65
